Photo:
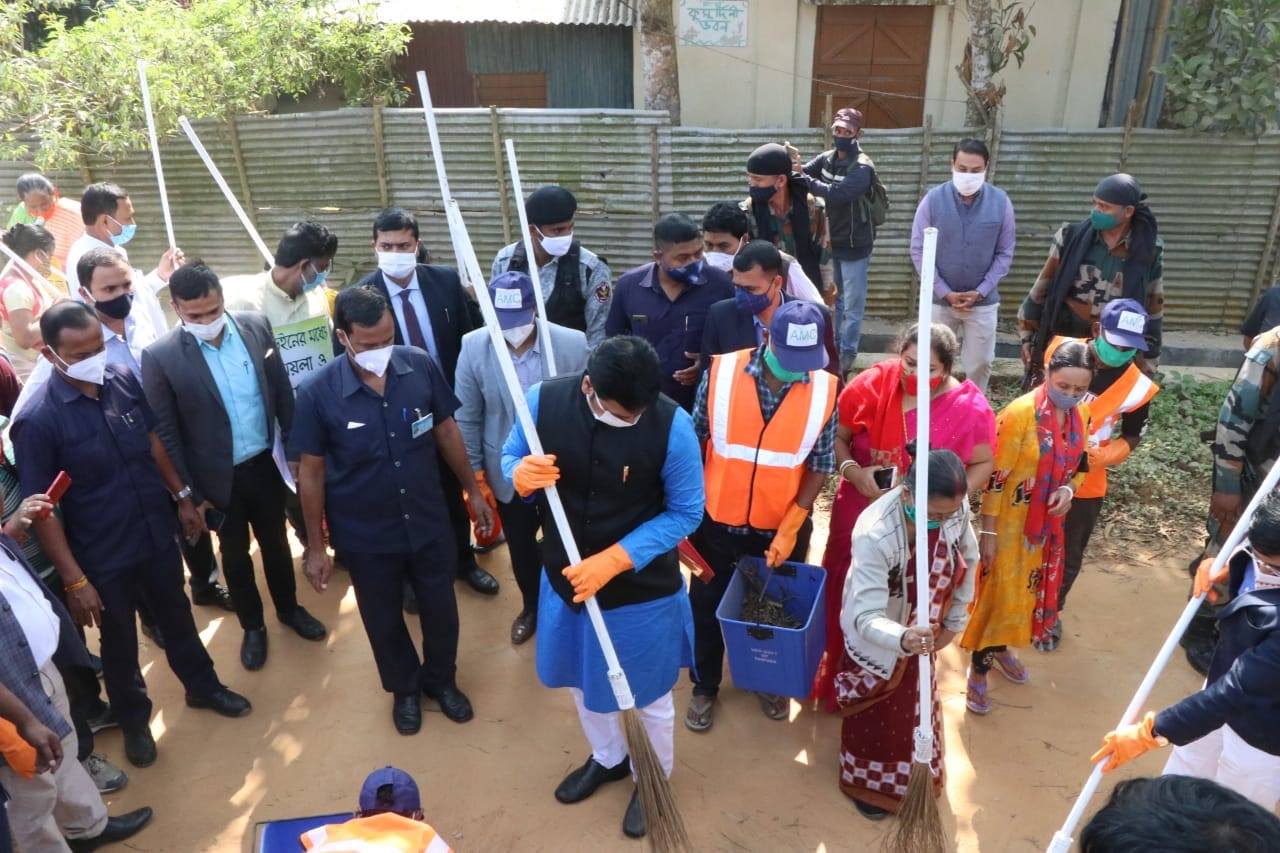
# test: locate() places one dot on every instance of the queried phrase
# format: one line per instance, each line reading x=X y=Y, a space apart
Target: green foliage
x=1221 y=77
x=78 y=94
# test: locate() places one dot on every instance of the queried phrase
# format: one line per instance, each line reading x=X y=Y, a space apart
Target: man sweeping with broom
x=625 y=463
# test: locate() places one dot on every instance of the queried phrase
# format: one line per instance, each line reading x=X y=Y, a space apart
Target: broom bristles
x=919 y=827
x=666 y=829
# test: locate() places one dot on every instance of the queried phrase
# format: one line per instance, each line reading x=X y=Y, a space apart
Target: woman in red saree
x=877 y=682
x=877 y=417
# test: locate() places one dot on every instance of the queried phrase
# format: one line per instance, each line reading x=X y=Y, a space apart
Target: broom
x=1062 y=839
x=919 y=828
x=665 y=824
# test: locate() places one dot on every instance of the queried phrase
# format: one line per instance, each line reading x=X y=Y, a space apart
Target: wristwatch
x=182 y=494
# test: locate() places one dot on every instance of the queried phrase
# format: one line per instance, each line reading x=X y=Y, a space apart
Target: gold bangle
x=80 y=584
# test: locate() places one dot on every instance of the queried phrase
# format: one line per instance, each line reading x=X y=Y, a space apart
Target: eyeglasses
x=1268 y=567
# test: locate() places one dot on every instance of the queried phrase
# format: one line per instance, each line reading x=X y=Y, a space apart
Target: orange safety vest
x=381 y=833
x=753 y=469
x=1133 y=390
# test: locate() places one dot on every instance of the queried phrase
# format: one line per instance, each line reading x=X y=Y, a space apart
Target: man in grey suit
x=220 y=392
x=486 y=415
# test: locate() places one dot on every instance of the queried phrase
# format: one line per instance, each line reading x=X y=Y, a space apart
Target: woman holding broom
x=877 y=417
x=1041 y=459
x=877 y=684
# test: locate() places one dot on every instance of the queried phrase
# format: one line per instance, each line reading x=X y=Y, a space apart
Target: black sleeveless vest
x=610 y=483
x=566 y=306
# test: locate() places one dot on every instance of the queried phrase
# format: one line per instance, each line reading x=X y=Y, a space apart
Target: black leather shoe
x=152 y=632
x=253 y=650
x=453 y=702
x=223 y=701
x=406 y=713
x=117 y=829
x=215 y=596
x=480 y=580
x=582 y=783
x=139 y=747
x=524 y=626
x=485 y=549
x=304 y=624
x=633 y=822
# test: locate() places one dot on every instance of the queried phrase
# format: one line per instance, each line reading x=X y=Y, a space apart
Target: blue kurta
x=654 y=639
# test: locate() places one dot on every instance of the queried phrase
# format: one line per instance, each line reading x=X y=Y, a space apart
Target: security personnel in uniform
x=575 y=281
x=367 y=428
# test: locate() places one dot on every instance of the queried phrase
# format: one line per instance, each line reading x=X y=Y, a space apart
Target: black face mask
x=844 y=143
x=116 y=309
x=762 y=194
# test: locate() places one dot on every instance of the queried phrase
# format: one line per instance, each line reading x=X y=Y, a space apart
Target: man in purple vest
x=975 y=248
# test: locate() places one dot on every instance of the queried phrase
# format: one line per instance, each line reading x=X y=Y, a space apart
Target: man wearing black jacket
x=430 y=309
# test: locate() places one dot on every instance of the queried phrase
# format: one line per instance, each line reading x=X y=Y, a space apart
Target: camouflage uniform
x=785 y=239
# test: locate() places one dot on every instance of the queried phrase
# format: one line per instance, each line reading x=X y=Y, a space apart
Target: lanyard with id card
x=419 y=424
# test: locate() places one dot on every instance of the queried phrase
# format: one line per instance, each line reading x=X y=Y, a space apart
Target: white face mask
x=207 y=331
x=556 y=247
x=518 y=335
x=968 y=183
x=397 y=264
x=719 y=260
x=92 y=369
x=373 y=360
x=608 y=418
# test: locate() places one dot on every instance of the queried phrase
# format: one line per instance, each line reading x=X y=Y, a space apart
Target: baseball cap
x=848 y=118
x=795 y=336
x=1124 y=322
x=390 y=789
x=512 y=295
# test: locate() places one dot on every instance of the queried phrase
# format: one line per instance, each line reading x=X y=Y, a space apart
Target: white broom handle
x=924 y=558
x=544 y=338
x=1063 y=837
x=155 y=152
x=437 y=152
x=226 y=190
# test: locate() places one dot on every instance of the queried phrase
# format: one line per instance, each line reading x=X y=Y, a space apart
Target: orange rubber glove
x=590 y=576
x=1204 y=581
x=1127 y=743
x=482 y=485
x=1110 y=454
x=784 y=541
x=535 y=472
x=18 y=754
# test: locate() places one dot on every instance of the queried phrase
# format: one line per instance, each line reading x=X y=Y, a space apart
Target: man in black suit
x=221 y=394
x=431 y=313
x=759 y=278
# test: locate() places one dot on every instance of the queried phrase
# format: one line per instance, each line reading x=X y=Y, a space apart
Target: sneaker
x=101 y=719
x=105 y=775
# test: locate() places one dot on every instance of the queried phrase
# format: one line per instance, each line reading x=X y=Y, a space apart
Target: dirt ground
x=321 y=722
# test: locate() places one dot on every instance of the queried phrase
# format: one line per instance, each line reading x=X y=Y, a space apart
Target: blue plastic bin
x=766 y=658
x=282 y=836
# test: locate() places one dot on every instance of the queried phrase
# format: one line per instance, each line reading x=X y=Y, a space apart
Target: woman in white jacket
x=877 y=685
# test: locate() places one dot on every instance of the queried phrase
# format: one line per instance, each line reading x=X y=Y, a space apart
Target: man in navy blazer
x=1230 y=730
x=431 y=313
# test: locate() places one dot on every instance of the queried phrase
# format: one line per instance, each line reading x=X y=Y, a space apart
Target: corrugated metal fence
x=1216 y=198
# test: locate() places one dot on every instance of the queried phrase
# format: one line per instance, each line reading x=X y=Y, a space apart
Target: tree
x=998 y=33
x=658 y=57
x=77 y=93
x=1221 y=76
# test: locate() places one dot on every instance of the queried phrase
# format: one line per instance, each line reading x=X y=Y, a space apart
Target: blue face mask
x=750 y=303
x=126 y=232
x=690 y=273
x=844 y=144
x=321 y=277
x=910 y=512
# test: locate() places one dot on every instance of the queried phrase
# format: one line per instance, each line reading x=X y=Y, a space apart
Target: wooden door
x=884 y=48
x=519 y=89
x=441 y=51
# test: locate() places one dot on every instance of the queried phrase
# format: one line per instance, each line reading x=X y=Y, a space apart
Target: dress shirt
x=382 y=485
x=420 y=308
x=528 y=366
x=596 y=282
x=237 y=381
x=145 y=285
x=139 y=333
x=30 y=607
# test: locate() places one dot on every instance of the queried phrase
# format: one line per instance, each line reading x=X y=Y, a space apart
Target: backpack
x=873 y=207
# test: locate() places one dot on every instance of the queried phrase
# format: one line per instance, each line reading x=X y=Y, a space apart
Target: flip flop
x=775 y=707
x=975 y=698
x=698 y=717
x=1010 y=667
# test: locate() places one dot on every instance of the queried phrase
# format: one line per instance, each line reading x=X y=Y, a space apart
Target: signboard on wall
x=712 y=23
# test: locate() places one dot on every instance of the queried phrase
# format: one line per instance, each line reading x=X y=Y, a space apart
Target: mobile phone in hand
x=214 y=519
x=56 y=490
x=883 y=478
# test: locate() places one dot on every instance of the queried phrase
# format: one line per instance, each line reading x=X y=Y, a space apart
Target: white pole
x=923 y=752
x=226 y=190
x=155 y=152
x=1062 y=839
x=544 y=336
x=437 y=152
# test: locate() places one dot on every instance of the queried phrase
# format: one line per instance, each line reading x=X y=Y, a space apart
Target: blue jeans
x=851 y=303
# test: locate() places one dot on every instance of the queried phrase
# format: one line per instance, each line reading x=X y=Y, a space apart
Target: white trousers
x=609 y=742
x=1223 y=756
x=976 y=329
x=48 y=806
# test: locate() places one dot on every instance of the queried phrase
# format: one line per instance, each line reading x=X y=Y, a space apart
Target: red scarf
x=1060 y=455
x=877 y=396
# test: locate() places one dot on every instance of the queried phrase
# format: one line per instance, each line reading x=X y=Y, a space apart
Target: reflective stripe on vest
x=753 y=469
x=380 y=833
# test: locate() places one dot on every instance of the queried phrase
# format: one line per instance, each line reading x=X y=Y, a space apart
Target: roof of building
x=614 y=12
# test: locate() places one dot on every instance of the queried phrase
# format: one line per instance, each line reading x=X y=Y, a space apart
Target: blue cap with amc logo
x=796 y=336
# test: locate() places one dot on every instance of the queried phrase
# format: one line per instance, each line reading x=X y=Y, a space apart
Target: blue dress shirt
x=237 y=381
